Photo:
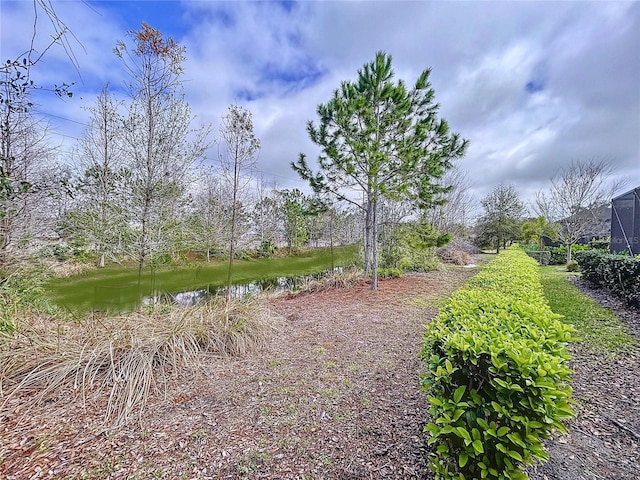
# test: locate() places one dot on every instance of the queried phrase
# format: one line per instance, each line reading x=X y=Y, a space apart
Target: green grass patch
x=121 y=288
x=598 y=328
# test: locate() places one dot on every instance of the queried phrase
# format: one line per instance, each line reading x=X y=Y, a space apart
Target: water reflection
x=196 y=297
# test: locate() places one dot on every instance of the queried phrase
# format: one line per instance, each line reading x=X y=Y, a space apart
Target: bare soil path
x=334 y=395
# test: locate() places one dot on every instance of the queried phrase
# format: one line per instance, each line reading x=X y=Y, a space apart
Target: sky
x=533 y=86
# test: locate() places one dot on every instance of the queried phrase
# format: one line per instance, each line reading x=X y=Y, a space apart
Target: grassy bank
x=598 y=328
x=120 y=288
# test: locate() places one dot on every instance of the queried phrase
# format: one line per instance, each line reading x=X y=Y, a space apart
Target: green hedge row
x=543 y=257
x=618 y=273
x=556 y=255
x=497 y=376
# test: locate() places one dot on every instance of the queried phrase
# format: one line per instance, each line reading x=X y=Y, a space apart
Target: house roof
x=626 y=193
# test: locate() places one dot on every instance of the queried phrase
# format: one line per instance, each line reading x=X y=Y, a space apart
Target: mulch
x=334 y=395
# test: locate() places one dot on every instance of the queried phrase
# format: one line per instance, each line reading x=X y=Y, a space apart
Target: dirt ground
x=604 y=439
x=334 y=395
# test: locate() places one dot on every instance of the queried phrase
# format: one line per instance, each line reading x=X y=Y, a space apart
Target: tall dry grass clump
x=334 y=279
x=129 y=356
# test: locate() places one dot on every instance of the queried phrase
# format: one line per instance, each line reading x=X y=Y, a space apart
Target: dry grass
x=456 y=257
x=70 y=268
x=130 y=356
x=335 y=279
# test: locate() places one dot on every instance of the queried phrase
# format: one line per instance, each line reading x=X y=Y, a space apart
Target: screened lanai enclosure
x=625 y=222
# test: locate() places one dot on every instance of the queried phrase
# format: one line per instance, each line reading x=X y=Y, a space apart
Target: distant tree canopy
x=380 y=139
x=534 y=229
x=502 y=218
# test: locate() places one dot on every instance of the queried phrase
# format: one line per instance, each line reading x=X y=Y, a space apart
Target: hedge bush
x=618 y=273
x=497 y=374
x=542 y=256
x=559 y=254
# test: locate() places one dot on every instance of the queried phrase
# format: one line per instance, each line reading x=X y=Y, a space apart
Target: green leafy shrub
x=77 y=249
x=22 y=292
x=559 y=254
x=267 y=248
x=412 y=247
x=572 y=266
x=601 y=244
x=497 y=375
x=617 y=273
x=389 y=273
x=542 y=256
x=419 y=261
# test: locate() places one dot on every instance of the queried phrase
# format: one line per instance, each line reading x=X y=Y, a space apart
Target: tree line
x=570 y=211
x=136 y=187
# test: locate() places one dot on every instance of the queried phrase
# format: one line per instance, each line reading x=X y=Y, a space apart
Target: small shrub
x=456 y=257
x=334 y=279
x=267 y=248
x=601 y=244
x=559 y=254
x=542 y=256
x=420 y=261
x=458 y=252
x=389 y=273
x=73 y=249
x=572 y=266
x=22 y=294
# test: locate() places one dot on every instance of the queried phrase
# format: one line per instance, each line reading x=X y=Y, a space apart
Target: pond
x=123 y=289
x=275 y=284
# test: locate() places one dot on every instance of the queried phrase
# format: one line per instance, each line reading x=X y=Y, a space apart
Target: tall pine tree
x=380 y=139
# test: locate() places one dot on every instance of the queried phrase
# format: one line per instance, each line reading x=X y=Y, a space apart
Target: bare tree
x=24 y=154
x=160 y=145
x=24 y=148
x=578 y=193
x=238 y=156
x=265 y=214
x=454 y=215
x=208 y=220
x=15 y=74
x=101 y=215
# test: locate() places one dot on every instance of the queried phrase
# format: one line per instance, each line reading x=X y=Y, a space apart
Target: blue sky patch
x=287 y=5
x=247 y=95
x=538 y=80
x=299 y=77
x=534 y=86
x=168 y=17
x=223 y=18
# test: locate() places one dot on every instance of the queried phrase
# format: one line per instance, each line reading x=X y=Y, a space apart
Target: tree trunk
x=368 y=232
x=331 y=241
x=374 y=247
x=234 y=215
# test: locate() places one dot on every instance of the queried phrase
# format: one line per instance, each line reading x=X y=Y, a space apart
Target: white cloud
x=532 y=85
